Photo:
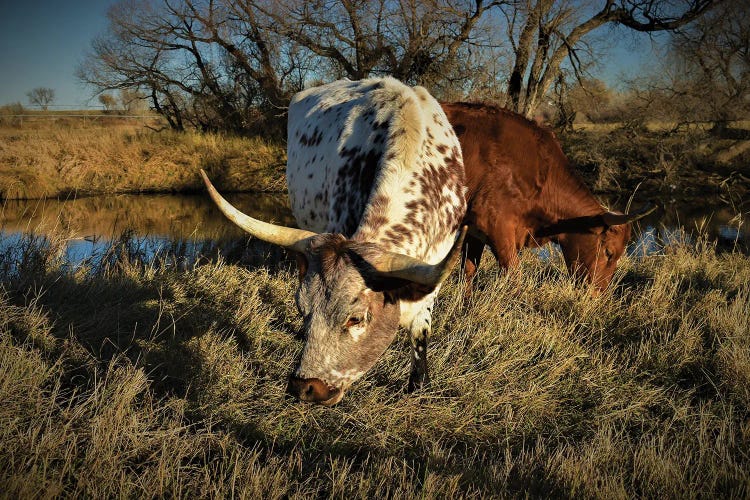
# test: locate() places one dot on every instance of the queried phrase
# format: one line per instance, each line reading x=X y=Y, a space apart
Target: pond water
x=188 y=224
x=193 y=223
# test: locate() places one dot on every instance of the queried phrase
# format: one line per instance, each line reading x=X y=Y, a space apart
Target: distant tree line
x=704 y=77
x=128 y=101
x=233 y=64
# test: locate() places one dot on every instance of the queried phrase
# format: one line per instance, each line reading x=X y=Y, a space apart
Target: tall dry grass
x=131 y=378
x=65 y=158
x=661 y=161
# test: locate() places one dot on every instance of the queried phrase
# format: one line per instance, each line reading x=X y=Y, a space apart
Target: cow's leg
x=471 y=256
x=419 y=334
x=502 y=242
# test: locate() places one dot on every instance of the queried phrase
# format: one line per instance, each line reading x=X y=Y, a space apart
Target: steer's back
x=378 y=160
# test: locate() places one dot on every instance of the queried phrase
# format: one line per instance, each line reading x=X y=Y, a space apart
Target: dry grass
x=658 y=126
x=64 y=157
x=132 y=379
x=688 y=163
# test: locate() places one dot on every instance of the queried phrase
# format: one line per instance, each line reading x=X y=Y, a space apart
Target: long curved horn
x=293 y=239
x=580 y=224
x=396 y=265
x=613 y=219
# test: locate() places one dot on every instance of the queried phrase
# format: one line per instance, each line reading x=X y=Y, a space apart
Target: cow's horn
x=293 y=239
x=613 y=219
x=396 y=265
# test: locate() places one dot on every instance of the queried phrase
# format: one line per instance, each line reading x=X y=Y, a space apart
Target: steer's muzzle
x=313 y=390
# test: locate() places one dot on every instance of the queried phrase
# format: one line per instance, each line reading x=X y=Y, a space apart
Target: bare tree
x=705 y=76
x=132 y=101
x=198 y=61
x=229 y=63
x=108 y=101
x=590 y=98
x=712 y=65
x=407 y=39
x=215 y=63
x=41 y=96
x=546 y=33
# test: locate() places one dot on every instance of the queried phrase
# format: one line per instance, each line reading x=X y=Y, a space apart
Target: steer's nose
x=312 y=390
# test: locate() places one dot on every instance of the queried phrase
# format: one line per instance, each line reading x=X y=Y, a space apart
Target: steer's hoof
x=418 y=382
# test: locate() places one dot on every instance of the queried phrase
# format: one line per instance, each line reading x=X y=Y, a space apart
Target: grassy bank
x=64 y=156
x=688 y=162
x=132 y=379
x=69 y=157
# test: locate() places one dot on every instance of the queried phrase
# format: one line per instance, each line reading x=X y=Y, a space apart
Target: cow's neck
x=568 y=197
x=415 y=211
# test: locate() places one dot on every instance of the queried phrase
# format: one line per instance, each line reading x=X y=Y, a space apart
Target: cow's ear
x=585 y=224
x=414 y=292
x=302 y=264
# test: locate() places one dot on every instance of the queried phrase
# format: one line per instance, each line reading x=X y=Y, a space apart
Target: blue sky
x=43 y=41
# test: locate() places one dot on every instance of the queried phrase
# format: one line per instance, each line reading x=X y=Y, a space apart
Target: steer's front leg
x=419 y=334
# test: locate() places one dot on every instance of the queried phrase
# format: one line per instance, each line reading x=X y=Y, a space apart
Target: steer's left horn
x=396 y=265
x=287 y=237
x=613 y=219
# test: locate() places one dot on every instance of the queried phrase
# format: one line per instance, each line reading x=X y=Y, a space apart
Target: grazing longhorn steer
x=376 y=180
x=522 y=193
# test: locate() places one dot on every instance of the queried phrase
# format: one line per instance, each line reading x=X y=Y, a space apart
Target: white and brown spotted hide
x=377 y=162
x=376 y=181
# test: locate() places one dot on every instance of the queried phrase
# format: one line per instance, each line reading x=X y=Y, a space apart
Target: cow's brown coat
x=520 y=190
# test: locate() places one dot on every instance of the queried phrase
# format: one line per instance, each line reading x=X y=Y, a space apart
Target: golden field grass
x=136 y=379
x=53 y=156
x=68 y=156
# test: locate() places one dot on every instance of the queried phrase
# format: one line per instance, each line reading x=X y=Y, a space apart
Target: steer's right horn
x=293 y=239
x=395 y=265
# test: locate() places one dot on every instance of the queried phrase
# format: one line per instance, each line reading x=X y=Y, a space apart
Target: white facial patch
x=357 y=331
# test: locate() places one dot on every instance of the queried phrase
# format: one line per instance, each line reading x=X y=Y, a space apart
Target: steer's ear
x=396 y=288
x=400 y=289
x=302 y=264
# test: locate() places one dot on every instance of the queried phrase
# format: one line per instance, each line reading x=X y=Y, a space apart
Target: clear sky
x=43 y=41
x=41 y=44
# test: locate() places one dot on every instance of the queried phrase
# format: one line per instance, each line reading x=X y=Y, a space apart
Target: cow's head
x=348 y=297
x=592 y=245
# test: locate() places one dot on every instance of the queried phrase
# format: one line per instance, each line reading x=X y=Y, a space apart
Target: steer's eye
x=608 y=253
x=353 y=321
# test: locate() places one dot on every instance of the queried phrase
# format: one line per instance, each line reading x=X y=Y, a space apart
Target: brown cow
x=522 y=193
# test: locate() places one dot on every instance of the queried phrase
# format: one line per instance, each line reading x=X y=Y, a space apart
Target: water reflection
x=185 y=225
x=158 y=216
x=684 y=222
x=192 y=225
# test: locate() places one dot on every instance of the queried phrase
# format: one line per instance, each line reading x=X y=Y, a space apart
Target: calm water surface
x=192 y=222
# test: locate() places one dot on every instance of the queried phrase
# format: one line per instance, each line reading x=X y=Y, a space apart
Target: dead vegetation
x=669 y=159
x=133 y=378
x=54 y=159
